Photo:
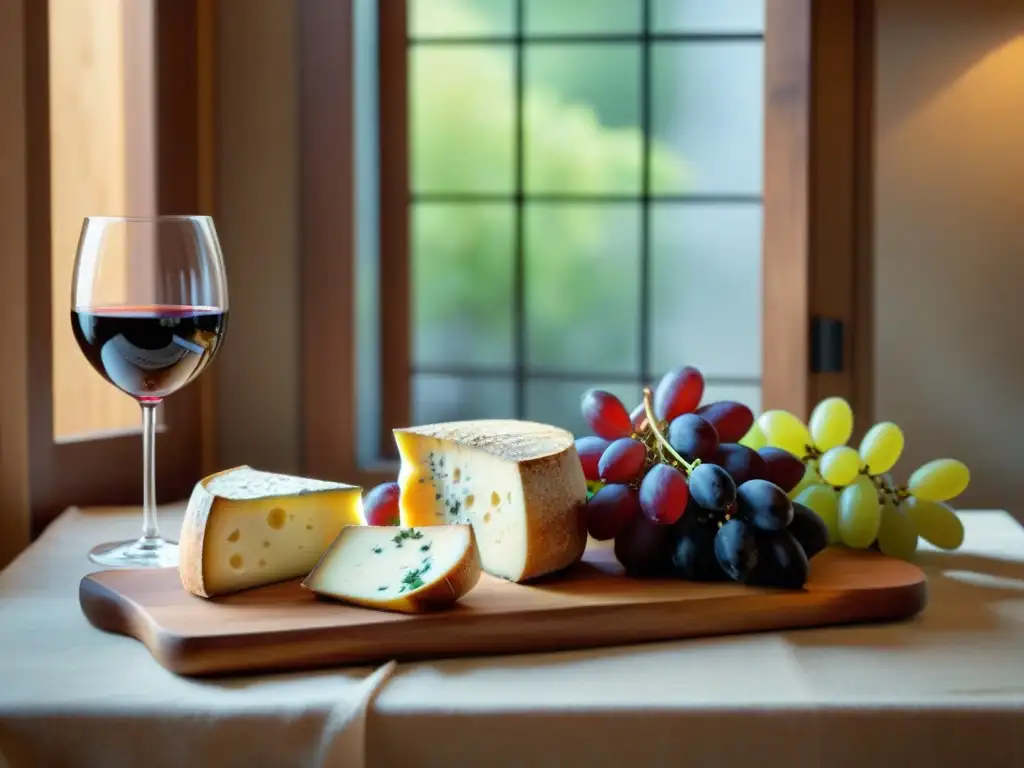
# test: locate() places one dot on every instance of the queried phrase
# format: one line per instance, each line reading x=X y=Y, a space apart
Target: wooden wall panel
x=328 y=244
x=206 y=80
x=14 y=300
x=395 y=227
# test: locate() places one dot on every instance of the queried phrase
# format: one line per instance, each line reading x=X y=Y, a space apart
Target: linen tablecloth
x=946 y=688
x=71 y=695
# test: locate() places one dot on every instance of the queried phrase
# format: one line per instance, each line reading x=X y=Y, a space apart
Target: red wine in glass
x=149 y=309
x=149 y=351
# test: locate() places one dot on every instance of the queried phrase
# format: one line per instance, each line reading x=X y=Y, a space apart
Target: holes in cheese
x=410 y=570
x=520 y=485
x=276 y=518
x=246 y=528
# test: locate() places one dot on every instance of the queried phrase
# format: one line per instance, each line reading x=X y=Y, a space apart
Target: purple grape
x=590 y=450
x=693 y=553
x=692 y=437
x=712 y=487
x=644 y=548
x=605 y=414
x=781 y=562
x=764 y=505
x=380 y=507
x=732 y=420
x=809 y=530
x=782 y=468
x=678 y=392
x=610 y=510
x=622 y=461
x=736 y=549
x=741 y=462
x=638 y=417
x=664 y=494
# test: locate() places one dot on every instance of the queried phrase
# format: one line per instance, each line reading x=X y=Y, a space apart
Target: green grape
x=939 y=480
x=823 y=501
x=881 y=447
x=810 y=477
x=935 y=522
x=859 y=513
x=831 y=423
x=839 y=466
x=754 y=439
x=784 y=430
x=897 y=535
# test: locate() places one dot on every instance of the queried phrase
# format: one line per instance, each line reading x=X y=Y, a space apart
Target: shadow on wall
x=949 y=237
x=933 y=43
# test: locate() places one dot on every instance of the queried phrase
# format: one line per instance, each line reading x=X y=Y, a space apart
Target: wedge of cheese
x=519 y=484
x=246 y=528
x=411 y=570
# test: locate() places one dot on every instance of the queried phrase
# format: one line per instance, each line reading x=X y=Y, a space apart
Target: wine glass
x=149 y=309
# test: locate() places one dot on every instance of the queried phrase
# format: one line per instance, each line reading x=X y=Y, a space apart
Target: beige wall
x=258 y=372
x=949 y=237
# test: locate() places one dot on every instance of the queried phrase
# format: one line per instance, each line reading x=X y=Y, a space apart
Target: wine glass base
x=137 y=553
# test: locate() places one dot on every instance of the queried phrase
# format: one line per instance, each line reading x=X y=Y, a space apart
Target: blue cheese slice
x=410 y=570
x=520 y=484
x=246 y=528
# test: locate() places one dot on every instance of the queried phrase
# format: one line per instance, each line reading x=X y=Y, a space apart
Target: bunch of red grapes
x=679 y=494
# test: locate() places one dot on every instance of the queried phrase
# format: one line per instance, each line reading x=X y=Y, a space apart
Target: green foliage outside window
x=461 y=130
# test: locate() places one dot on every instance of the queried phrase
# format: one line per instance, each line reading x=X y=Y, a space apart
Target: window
x=584 y=201
x=91 y=106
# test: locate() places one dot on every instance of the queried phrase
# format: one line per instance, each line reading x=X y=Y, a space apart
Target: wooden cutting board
x=592 y=604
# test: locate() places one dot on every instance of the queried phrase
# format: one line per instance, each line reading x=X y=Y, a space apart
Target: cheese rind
x=246 y=528
x=409 y=570
x=519 y=484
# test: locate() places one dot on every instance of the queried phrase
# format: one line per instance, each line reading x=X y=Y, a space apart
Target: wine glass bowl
x=149 y=310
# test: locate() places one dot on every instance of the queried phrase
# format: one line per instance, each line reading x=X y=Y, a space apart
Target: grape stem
x=810 y=453
x=665 y=445
x=897 y=494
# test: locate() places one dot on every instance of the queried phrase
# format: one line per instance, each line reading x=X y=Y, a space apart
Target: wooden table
x=946 y=688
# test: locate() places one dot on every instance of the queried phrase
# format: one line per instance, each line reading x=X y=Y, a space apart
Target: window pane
x=582 y=112
x=451 y=398
x=95 y=170
x=458 y=18
x=748 y=394
x=461 y=118
x=708 y=108
x=707 y=15
x=582 y=286
x=582 y=16
x=558 y=402
x=462 y=283
x=706 y=288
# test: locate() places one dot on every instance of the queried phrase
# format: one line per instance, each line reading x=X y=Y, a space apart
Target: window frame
x=816 y=197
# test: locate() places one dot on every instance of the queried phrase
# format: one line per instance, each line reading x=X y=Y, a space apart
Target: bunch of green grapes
x=820 y=444
x=853 y=491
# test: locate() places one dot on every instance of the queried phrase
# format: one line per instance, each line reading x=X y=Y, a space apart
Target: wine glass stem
x=150 y=528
